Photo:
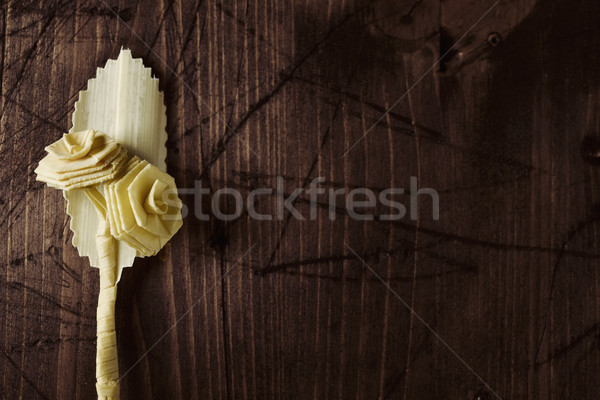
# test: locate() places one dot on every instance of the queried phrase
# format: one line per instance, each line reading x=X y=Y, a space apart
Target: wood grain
x=505 y=127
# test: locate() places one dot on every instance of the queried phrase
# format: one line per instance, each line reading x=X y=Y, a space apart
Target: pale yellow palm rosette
x=81 y=159
x=143 y=208
x=140 y=206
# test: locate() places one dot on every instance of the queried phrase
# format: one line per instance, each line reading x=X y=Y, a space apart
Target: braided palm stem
x=107 y=364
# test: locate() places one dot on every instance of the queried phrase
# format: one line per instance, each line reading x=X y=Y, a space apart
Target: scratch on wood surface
x=27 y=379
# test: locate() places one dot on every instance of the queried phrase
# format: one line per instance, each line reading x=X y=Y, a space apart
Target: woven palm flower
x=81 y=159
x=143 y=209
x=139 y=207
x=136 y=203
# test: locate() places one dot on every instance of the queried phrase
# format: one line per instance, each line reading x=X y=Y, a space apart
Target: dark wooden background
x=505 y=128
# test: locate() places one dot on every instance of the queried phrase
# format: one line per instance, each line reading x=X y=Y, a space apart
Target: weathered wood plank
x=507 y=277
